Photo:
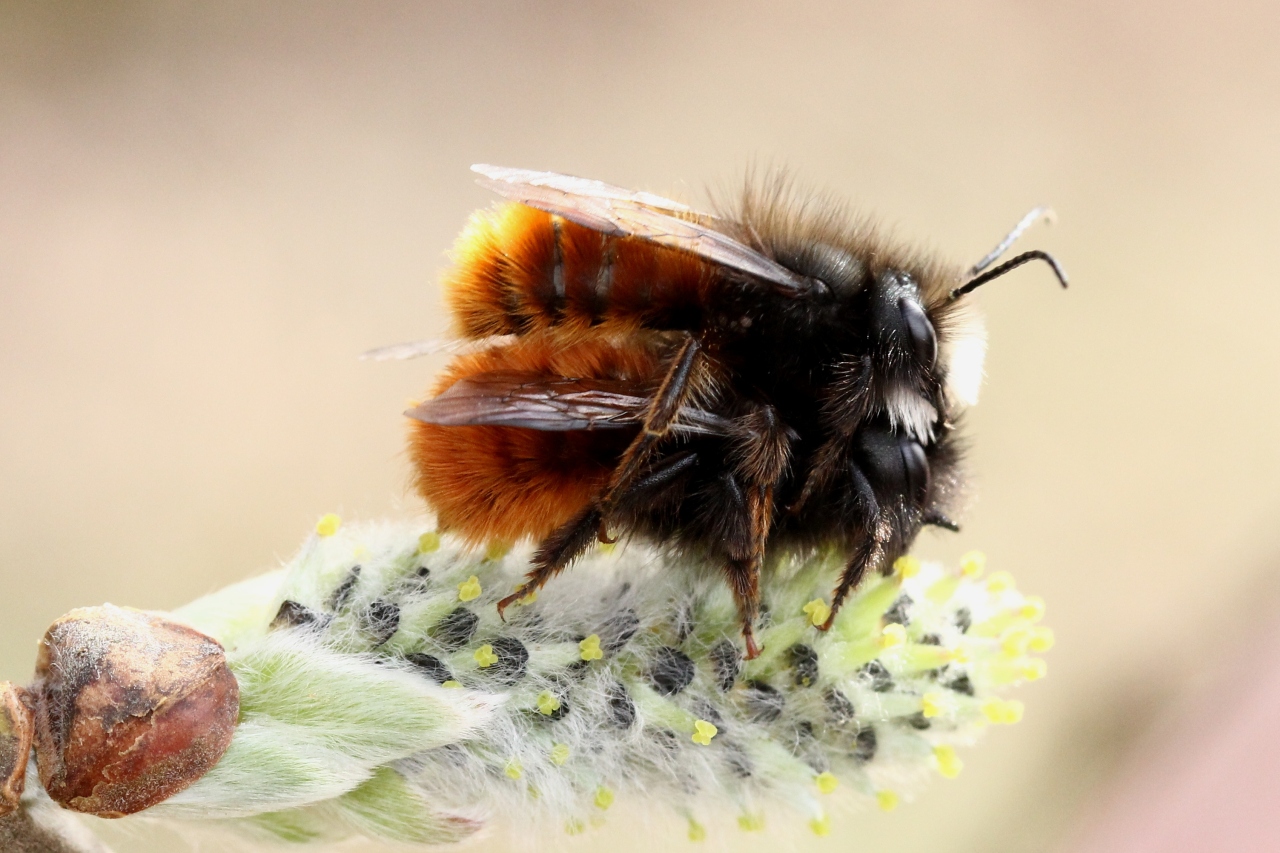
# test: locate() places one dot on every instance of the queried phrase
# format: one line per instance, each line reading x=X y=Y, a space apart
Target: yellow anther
x=827 y=782
x=886 y=800
x=589 y=648
x=513 y=769
x=428 y=542
x=751 y=822
x=1032 y=608
x=697 y=832
x=703 y=732
x=573 y=826
x=451 y=684
x=907 y=566
x=485 y=656
x=530 y=598
x=608 y=547
x=932 y=705
x=1001 y=712
x=496 y=549
x=548 y=704
x=972 y=564
x=328 y=524
x=999 y=582
x=469 y=589
x=1033 y=669
x=960 y=654
x=949 y=764
x=892 y=635
x=559 y=754
x=1041 y=639
x=817 y=611
x=604 y=798
x=821 y=826
x=1014 y=643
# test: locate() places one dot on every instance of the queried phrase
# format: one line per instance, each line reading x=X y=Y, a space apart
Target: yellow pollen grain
x=703 y=732
x=949 y=764
x=697 y=832
x=1001 y=712
x=751 y=822
x=485 y=656
x=469 y=589
x=973 y=564
x=1032 y=608
x=548 y=704
x=931 y=705
x=827 y=782
x=451 y=684
x=589 y=648
x=575 y=827
x=428 y=542
x=892 y=635
x=559 y=754
x=1034 y=669
x=530 y=598
x=513 y=769
x=999 y=582
x=907 y=566
x=608 y=547
x=496 y=549
x=1014 y=643
x=328 y=524
x=886 y=800
x=818 y=611
x=603 y=798
x=1041 y=639
x=821 y=826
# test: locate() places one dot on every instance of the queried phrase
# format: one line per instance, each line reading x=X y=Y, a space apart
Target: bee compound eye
x=915 y=466
x=924 y=341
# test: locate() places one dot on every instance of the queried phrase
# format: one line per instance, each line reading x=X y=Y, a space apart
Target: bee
x=732 y=386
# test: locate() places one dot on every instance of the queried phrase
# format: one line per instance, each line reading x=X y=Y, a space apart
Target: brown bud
x=16 y=727
x=131 y=708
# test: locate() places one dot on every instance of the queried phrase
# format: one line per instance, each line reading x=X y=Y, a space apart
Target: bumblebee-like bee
x=728 y=385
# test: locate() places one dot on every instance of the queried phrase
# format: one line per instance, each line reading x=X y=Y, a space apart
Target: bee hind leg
x=555 y=552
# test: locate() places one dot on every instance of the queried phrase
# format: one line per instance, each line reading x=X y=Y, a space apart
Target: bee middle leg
x=567 y=542
x=670 y=397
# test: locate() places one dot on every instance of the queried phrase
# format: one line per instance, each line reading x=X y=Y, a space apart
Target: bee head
x=900 y=320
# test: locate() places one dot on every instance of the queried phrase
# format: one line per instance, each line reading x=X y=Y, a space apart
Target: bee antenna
x=1036 y=213
x=1008 y=266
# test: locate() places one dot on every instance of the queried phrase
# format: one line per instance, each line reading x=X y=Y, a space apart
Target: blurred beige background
x=207 y=211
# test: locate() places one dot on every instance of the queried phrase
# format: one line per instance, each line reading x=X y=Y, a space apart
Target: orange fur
x=508 y=483
x=517 y=269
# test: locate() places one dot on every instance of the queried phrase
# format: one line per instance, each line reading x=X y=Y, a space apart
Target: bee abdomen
x=517 y=269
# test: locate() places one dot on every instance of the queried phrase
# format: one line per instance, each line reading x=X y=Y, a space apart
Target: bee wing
x=414 y=349
x=549 y=403
x=613 y=210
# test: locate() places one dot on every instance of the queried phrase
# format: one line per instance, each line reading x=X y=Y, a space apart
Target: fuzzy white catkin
x=382 y=696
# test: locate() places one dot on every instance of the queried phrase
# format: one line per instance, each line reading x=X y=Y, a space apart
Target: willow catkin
x=382 y=696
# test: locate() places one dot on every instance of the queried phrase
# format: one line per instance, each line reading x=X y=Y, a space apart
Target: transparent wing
x=550 y=403
x=614 y=210
x=415 y=349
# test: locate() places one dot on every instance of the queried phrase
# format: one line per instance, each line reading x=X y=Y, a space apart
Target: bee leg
x=664 y=407
x=842 y=419
x=744 y=581
x=555 y=552
x=568 y=541
x=868 y=549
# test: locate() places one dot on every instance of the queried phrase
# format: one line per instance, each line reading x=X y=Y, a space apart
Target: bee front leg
x=869 y=547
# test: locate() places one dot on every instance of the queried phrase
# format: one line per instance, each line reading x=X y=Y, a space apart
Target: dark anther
x=431 y=666
x=964 y=619
x=617 y=630
x=671 y=670
x=962 y=684
x=727 y=661
x=804 y=663
x=381 y=618
x=919 y=721
x=455 y=630
x=762 y=701
x=620 y=708
x=340 y=595
x=292 y=614
x=877 y=676
x=865 y=745
x=513 y=659
x=842 y=710
x=898 y=614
